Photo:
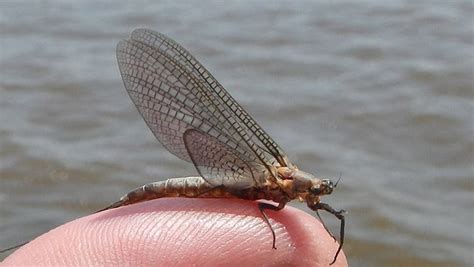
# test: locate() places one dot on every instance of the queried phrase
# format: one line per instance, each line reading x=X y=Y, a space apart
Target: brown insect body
x=290 y=184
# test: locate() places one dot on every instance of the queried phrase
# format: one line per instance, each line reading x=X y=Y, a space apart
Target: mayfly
x=197 y=120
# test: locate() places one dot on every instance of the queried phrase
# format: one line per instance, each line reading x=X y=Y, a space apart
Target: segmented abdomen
x=195 y=187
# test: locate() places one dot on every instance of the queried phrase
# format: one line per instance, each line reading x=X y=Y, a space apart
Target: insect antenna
x=338 y=179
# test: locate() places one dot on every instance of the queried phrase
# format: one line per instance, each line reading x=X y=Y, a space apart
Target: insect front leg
x=340 y=215
x=324 y=225
x=262 y=206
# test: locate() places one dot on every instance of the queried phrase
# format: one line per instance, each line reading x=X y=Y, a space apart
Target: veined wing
x=219 y=96
x=174 y=93
x=168 y=105
x=220 y=164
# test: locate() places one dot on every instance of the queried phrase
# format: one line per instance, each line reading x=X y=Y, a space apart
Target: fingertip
x=184 y=231
x=315 y=247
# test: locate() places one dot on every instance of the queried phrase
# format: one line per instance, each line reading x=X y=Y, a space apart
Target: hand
x=182 y=232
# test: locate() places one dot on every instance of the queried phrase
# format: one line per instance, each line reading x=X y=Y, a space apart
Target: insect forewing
x=174 y=93
x=219 y=96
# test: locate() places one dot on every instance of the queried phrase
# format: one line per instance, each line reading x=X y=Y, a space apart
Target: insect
x=197 y=120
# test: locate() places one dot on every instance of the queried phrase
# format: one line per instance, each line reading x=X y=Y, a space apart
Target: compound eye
x=326 y=187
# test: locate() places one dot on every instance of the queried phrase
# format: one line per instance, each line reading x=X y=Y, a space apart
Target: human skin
x=183 y=232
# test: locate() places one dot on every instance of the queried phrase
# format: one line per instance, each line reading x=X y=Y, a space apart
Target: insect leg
x=262 y=207
x=324 y=225
x=340 y=215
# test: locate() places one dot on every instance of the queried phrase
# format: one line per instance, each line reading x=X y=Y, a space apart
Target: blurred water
x=380 y=91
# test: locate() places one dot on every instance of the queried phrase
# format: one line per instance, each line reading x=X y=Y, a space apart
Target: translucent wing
x=218 y=95
x=226 y=167
x=174 y=93
x=168 y=105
